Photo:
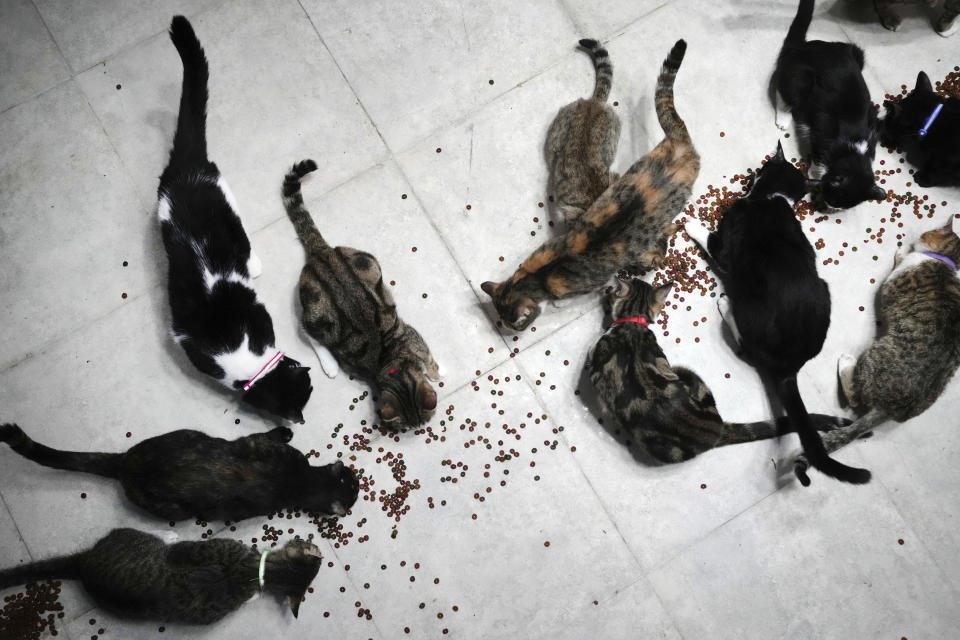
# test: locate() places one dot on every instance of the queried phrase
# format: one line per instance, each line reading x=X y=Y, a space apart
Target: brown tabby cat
x=669 y=412
x=582 y=143
x=352 y=318
x=907 y=368
x=890 y=18
x=619 y=229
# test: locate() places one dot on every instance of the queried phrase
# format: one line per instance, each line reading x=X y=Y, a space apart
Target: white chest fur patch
x=242 y=363
x=911 y=260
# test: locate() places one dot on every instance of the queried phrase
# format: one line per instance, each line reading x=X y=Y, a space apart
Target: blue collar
x=925 y=129
x=941 y=258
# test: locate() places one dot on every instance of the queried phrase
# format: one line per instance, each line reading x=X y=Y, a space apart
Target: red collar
x=638 y=319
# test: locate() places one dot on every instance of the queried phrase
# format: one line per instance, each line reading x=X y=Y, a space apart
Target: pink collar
x=264 y=370
x=638 y=319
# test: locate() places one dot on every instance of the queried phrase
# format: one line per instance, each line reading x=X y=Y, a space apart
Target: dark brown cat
x=352 y=319
x=620 y=230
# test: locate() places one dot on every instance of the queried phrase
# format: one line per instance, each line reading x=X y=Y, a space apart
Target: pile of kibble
x=29 y=614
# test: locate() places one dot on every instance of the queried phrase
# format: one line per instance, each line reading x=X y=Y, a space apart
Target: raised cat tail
x=101 y=464
x=810 y=440
x=602 y=66
x=671 y=123
x=64 y=567
x=190 y=140
x=801 y=22
x=293 y=202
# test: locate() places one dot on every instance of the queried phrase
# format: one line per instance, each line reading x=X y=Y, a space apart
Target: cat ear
x=426 y=396
x=491 y=288
x=660 y=293
x=623 y=288
x=294 y=605
x=923 y=83
x=878 y=193
x=388 y=410
x=779 y=154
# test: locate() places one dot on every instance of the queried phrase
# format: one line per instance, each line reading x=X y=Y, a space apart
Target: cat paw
x=698 y=232
x=845 y=367
x=800 y=466
x=890 y=22
x=168 y=537
x=923 y=179
x=254 y=266
x=724 y=306
x=281 y=434
x=783 y=121
x=329 y=364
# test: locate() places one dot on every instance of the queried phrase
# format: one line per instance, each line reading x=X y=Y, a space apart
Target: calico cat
x=669 y=411
x=619 y=230
x=927 y=127
x=582 y=143
x=780 y=306
x=352 y=319
x=224 y=330
x=137 y=575
x=908 y=366
x=821 y=85
x=188 y=474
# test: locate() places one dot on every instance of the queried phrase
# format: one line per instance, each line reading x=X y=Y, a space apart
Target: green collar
x=263 y=566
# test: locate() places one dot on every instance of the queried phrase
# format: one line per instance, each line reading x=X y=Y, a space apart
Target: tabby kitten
x=781 y=307
x=582 y=143
x=669 y=411
x=890 y=19
x=821 y=84
x=927 y=127
x=188 y=474
x=224 y=330
x=619 y=230
x=352 y=319
x=137 y=575
x=907 y=368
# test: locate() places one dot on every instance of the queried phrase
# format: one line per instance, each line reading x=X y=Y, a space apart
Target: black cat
x=821 y=85
x=137 y=575
x=188 y=474
x=217 y=319
x=927 y=127
x=780 y=307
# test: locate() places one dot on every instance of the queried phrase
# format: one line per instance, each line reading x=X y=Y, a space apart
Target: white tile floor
x=526 y=518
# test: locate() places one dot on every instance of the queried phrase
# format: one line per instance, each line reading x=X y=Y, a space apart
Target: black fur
x=938 y=153
x=136 y=575
x=822 y=84
x=187 y=474
x=781 y=307
x=205 y=241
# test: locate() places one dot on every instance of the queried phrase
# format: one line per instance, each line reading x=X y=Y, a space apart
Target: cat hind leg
x=328 y=362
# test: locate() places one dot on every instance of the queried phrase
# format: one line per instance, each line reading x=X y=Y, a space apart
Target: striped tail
x=190 y=140
x=671 y=123
x=101 y=464
x=602 y=66
x=740 y=432
x=63 y=567
x=859 y=429
x=293 y=202
x=801 y=22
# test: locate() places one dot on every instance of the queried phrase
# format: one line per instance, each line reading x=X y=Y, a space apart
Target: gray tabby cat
x=582 y=143
x=669 y=411
x=907 y=368
x=352 y=319
x=137 y=575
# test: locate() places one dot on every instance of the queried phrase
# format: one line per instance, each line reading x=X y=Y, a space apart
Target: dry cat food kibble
x=32 y=613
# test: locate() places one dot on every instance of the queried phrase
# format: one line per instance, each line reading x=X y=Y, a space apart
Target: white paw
x=560 y=304
x=784 y=121
x=168 y=537
x=698 y=232
x=724 y=306
x=254 y=266
x=845 y=364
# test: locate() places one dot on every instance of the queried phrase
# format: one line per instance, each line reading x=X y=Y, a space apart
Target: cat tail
x=810 y=440
x=101 y=464
x=859 y=429
x=293 y=202
x=190 y=140
x=740 y=432
x=797 y=34
x=64 y=567
x=602 y=66
x=670 y=121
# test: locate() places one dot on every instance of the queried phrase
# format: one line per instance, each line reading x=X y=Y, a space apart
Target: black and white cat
x=777 y=308
x=217 y=319
x=820 y=84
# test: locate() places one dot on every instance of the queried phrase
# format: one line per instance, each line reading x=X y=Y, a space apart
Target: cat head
x=779 y=176
x=406 y=397
x=516 y=310
x=944 y=240
x=634 y=297
x=904 y=119
x=329 y=490
x=850 y=179
x=290 y=570
x=283 y=392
